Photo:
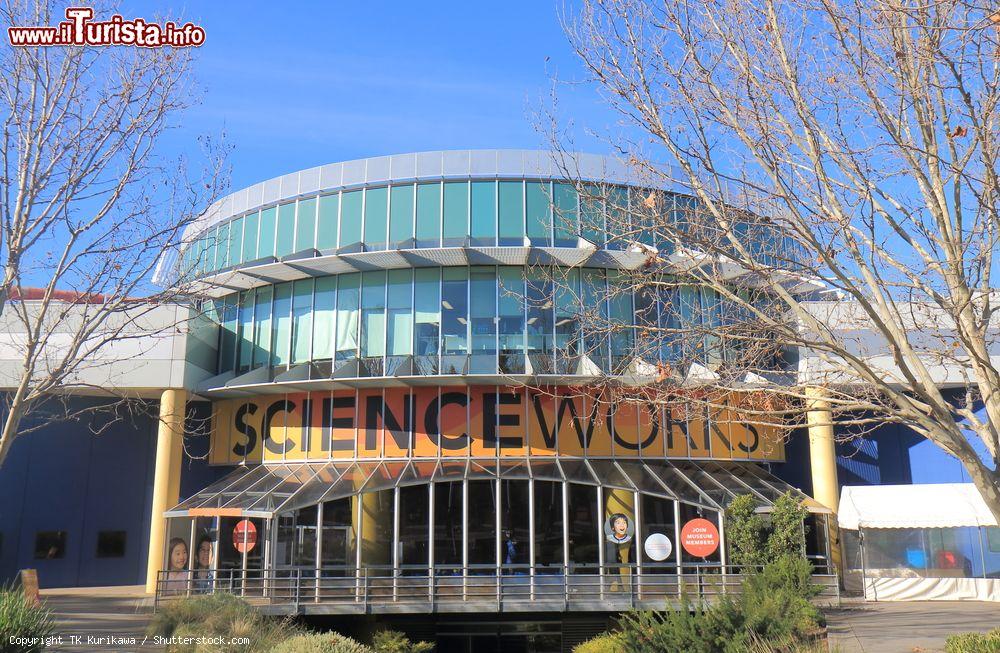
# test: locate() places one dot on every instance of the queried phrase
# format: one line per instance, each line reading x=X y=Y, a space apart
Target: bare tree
x=90 y=200
x=837 y=170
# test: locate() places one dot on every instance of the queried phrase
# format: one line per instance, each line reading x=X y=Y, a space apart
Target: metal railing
x=447 y=589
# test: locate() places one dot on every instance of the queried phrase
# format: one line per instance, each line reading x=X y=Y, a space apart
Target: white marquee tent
x=919 y=542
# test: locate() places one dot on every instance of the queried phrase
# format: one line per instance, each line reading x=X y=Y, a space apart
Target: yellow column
x=620 y=501
x=823 y=462
x=167 y=477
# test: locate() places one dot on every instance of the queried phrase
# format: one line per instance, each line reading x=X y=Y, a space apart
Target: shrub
x=606 y=643
x=753 y=542
x=20 y=617
x=221 y=615
x=321 y=643
x=772 y=613
x=787 y=534
x=974 y=642
x=393 y=641
x=744 y=532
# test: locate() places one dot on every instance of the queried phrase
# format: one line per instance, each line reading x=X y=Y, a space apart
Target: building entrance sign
x=481 y=421
x=700 y=538
x=244 y=536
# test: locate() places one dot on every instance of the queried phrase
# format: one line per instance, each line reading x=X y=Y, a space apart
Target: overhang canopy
x=266 y=490
x=938 y=505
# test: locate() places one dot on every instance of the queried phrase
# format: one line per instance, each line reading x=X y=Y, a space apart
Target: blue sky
x=316 y=82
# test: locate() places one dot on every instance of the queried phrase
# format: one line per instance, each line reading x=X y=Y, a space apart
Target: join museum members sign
x=479 y=421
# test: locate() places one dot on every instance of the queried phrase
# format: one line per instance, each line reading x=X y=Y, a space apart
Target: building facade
x=384 y=408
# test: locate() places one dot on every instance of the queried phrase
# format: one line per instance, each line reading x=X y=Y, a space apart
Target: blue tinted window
x=511 y=213
x=268 y=218
x=327 y=222
x=236 y=242
x=282 y=331
x=262 y=327
x=428 y=215
x=401 y=215
x=285 y=239
x=305 y=225
x=350 y=218
x=539 y=214
x=565 y=215
x=251 y=227
x=456 y=213
x=376 y=217
x=484 y=212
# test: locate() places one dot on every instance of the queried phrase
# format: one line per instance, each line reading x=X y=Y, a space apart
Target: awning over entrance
x=266 y=490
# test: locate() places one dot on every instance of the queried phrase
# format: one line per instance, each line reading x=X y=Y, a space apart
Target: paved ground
x=100 y=612
x=912 y=627
x=856 y=627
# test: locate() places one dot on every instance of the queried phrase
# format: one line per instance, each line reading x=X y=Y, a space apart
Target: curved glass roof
x=266 y=490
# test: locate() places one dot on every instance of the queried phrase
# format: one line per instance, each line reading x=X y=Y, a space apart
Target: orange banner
x=485 y=421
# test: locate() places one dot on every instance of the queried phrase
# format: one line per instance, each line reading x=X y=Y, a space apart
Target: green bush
x=752 y=541
x=321 y=643
x=21 y=618
x=606 y=643
x=393 y=641
x=219 y=615
x=772 y=613
x=974 y=642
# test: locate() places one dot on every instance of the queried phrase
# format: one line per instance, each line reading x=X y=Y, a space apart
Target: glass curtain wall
x=458 y=320
x=480 y=213
x=518 y=526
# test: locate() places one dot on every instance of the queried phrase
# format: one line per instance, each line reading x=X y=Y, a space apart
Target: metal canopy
x=267 y=490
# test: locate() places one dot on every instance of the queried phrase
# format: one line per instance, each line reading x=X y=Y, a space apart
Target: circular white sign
x=658 y=547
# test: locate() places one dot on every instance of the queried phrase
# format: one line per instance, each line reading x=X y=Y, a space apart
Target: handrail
x=453 y=588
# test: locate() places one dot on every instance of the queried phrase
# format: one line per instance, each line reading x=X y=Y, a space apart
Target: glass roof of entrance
x=266 y=490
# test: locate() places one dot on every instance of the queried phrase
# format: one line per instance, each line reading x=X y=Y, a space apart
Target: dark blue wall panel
x=63 y=477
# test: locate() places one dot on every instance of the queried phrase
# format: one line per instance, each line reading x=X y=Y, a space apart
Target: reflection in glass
x=455 y=227
x=427 y=318
x=482 y=525
x=428 y=215
x=482 y=311
x=338 y=545
x=262 y=328
x=285 y=236
x=401 y=216
x=548 y=525
x=301 y=320
x=376 y=529
x=282 y=324
x=305 y=225
x=515 y=534
x=511 y=320
x=296 y=538
x=484 y=213
x=448 y=508
x=376 y=217
x=584 y=526
x=454 y=320
x=413 y=534
x=350 y=220
x=328 y=222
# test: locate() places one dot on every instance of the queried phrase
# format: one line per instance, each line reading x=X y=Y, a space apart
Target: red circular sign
x=244 y=536
x=700 y=538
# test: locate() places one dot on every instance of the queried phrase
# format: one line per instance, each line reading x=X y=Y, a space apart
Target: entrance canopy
x=939 y=505
x=266 y=490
